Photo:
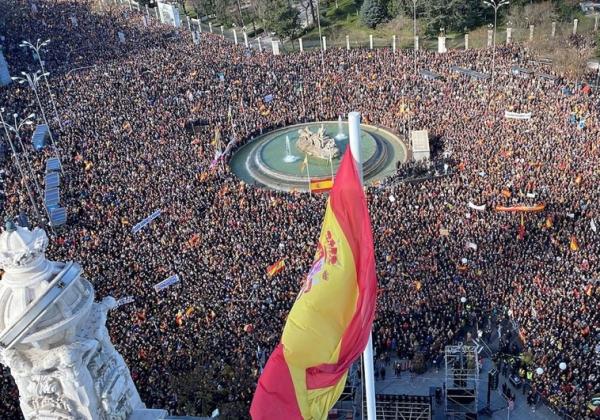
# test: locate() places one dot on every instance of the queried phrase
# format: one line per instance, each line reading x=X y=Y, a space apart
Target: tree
x=566 y=9
x=372 y=13
x=455 y=15
x=281 y=18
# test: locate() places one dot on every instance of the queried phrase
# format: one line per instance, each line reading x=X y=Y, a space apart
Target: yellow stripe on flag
x=332 y=278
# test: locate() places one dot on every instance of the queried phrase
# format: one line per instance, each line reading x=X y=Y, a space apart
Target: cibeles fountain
x=284 y=159
x=53 y=337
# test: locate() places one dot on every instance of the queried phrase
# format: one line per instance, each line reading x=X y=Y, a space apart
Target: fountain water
x=289 y=157
x=340 y=136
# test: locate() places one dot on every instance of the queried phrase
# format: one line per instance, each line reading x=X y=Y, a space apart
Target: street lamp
x=415 y=32
x=17 y=162
x=37 y=48
x=32 y=79
x=495 y=4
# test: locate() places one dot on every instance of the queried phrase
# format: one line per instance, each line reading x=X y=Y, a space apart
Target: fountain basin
x=265 y=161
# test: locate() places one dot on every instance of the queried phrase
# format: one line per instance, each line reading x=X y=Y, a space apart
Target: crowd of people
x=138 y=134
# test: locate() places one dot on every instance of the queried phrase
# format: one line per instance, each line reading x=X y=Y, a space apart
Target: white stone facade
x=53 y=337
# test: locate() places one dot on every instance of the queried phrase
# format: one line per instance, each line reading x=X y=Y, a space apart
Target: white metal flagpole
x=307 y=173
x=354 y=134
x=331 y=165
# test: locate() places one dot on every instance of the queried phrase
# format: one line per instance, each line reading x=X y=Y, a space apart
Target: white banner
x=478 y=208
x=169 y=281
x=124 y=301
x=517 y=115
x=145 y=222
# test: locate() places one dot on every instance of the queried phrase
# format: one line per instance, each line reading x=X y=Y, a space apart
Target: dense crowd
x=139 y=121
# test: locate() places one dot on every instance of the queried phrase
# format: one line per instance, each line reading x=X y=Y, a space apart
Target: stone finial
x=21 y=247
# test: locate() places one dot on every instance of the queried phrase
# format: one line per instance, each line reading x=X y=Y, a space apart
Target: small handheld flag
x=321 y=185
x=276 y=268
x=304 y=164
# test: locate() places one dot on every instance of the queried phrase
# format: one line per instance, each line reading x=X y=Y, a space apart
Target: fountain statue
x=318 y=144
x=340 y=136
x=289 y=157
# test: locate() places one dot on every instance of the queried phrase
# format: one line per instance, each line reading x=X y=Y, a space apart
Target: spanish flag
x=574 y=245
x=321 y=185
x=330 y=322
x=276 y=268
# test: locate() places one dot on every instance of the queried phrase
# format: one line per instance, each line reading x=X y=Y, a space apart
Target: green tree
x=281 y=18
x=455 y=15
x=392 y=8
x=372 y=13
x=566 y=9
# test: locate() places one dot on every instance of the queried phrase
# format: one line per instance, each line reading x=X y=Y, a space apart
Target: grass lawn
x=345 y=21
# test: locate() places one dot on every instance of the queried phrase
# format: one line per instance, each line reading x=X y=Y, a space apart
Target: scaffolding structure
x=402 y=407
x=462 y=377
x=348 y=405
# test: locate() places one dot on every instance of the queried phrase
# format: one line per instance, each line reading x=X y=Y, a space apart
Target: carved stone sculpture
x=318 y=144
x=53 y=337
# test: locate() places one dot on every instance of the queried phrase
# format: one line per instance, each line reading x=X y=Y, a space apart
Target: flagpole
x=354 y=134
x=331 y=165
x=307 y=173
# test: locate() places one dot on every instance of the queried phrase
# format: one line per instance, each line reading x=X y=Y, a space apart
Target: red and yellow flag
x=329 y=325
x=574 y=245
x=321 y=185
x=276 y=268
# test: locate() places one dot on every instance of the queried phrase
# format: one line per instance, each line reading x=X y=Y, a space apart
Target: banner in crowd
x=475 y=207
x=169 y=14
x=124 y=301
x=525 y=209
x=169 y=281
x=471 y=245
x=517 y=115
x=306 y=373
x=139 y=226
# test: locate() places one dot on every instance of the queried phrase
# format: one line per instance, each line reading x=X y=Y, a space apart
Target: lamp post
x=415 y=32
x=320 y=38
x=17 y=162
x=33 y=79
x=495 y=4
x=37 y=48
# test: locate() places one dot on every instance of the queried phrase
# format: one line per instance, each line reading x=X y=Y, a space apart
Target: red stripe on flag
x=348 y=202
x=277 y=396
